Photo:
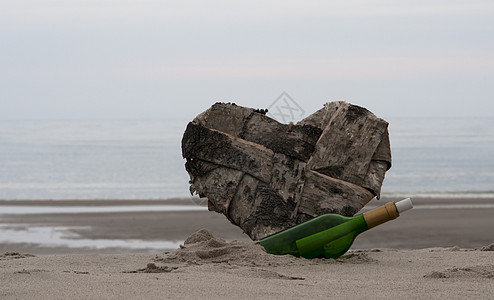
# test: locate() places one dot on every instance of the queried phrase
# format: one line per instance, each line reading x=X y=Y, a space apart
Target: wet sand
x=418 y=228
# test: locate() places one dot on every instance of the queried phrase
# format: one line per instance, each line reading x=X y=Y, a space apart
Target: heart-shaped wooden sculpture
x=265 y=176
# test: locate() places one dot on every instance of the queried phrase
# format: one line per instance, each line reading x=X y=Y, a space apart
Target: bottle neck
x=381 y=214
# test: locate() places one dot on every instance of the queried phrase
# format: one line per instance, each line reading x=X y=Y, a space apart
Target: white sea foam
x=58 y=236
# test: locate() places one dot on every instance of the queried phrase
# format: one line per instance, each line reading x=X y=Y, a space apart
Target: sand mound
x=481 y=271
x=203 y=248
x=248 y=259
x=199 y=236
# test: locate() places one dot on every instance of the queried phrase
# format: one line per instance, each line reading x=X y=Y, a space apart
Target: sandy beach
x=440 y=249
x=210 y=268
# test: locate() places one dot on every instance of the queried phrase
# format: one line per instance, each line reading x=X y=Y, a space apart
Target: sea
x=141 y=159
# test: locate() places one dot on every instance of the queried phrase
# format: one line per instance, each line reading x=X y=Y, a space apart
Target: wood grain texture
x=265 y=176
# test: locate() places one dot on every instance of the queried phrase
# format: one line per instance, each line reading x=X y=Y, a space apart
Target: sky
x=147 y=59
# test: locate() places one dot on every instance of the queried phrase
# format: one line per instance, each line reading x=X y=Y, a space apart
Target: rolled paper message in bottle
x=330 y=235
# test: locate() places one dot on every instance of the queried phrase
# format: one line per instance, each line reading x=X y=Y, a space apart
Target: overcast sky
x=71 y=59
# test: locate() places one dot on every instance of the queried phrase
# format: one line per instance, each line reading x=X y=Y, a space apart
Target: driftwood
x=265 y=176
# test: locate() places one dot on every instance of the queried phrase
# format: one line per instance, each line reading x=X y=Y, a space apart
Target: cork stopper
x=381 y=214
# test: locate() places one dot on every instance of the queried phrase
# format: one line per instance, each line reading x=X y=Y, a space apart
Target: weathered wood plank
x=297 y=141
x=270 y=213
x=287 y=174
x=346 y=147
x=383 y=151
x=251 y=125
x=220 y=186
x=323 y=194
x=322 y=117
x=243 y=203
x=375 y=176
x=197 y=167
x=255 y=201
x=227 y=118
x=226 y=150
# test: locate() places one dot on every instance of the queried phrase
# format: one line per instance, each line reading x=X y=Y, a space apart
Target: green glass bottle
x=330 y=235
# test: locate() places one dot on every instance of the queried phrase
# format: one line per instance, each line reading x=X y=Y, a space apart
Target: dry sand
x=210 y=268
